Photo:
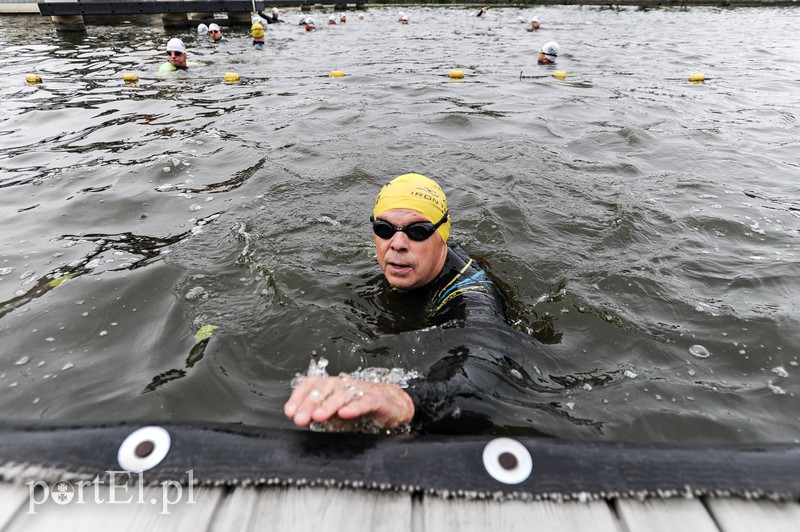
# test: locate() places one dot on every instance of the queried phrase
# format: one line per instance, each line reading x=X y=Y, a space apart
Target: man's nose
x=399 y=241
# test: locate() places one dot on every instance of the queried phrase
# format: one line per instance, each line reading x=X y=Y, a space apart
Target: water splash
x=699 y=351
x=780 y=371
x=317 y=367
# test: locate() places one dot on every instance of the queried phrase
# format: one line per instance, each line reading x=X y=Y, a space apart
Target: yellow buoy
x=697 y=77
x=560 y=74
x=130 y=77
x=456 y=74
x=231 y=77
x=337 y=73
x=33 y=78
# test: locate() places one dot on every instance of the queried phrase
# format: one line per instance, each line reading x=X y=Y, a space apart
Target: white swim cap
x=176 y=45
x=302 y=19
x=520 y=19
x=404 y=17
x=332 y=17
x=275 y=11
x=213 y=27
x=310 y=21
x=551 y=49
x=534 y=19
x=202 y=29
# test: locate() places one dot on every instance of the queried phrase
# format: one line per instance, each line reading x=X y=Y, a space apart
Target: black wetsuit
x=462 y=291
x=269 y=19
x=452 y=397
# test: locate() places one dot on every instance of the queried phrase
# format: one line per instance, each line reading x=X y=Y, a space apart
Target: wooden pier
x=320 y=509
x=72 y=15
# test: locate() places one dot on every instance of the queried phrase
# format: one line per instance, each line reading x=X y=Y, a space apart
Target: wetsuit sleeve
x=442 y=407
x=468 y=391
x=266 y=18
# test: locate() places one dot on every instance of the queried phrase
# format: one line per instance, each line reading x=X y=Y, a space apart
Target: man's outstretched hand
x=344 y=402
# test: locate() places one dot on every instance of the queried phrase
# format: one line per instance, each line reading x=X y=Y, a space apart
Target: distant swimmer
x=548 y=53
x=534 y=24
x=361 y=16
x=215 y=33
x=309 y=24
x=272 y=18
x=400 y=16
x=404 y=19
x=257 y=31
x=202 y=29
x=177 y=58
x=342 y=18
x=332 y=19
x=301 y=20
x=482 y=12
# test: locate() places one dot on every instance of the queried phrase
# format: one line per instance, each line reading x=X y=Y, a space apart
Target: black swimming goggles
x=417 y=231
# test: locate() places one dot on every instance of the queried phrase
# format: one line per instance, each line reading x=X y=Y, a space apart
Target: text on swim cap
x=428 y=197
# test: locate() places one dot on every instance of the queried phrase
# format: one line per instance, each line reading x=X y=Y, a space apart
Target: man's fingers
x=386 y=406
x=306 y=398
x=342 y=397
x=319 y=398
x=322 y=398
x=299 y=395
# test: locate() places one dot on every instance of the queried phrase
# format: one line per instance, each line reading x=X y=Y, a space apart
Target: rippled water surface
x=645 y=228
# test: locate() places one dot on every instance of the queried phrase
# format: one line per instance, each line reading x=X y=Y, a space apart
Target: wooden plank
x=738 y=515
x=13 y=500
x=440 y=515
x=314 y=508
x=21 y=8
x=665 y=515
x=142 y=511
x=248 y=508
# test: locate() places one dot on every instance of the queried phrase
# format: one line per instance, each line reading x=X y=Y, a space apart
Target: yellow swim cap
x=257 y=30
x=418 y=193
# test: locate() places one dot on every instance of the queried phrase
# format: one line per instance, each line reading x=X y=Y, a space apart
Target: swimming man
x=411 y=226
x=177 y=59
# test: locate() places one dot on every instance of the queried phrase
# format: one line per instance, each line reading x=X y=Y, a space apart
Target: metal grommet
x=144 y=449
x=507 y=461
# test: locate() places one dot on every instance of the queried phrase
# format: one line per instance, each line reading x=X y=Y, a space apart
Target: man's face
x=215 y=34
x=177 y=59
x=408 y=264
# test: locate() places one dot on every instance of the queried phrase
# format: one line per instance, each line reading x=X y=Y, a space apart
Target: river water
x=645 y=228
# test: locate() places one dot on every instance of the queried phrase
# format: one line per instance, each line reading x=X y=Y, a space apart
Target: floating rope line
x=473 y=467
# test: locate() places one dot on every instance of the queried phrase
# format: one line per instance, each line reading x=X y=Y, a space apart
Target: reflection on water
x=634 y=219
